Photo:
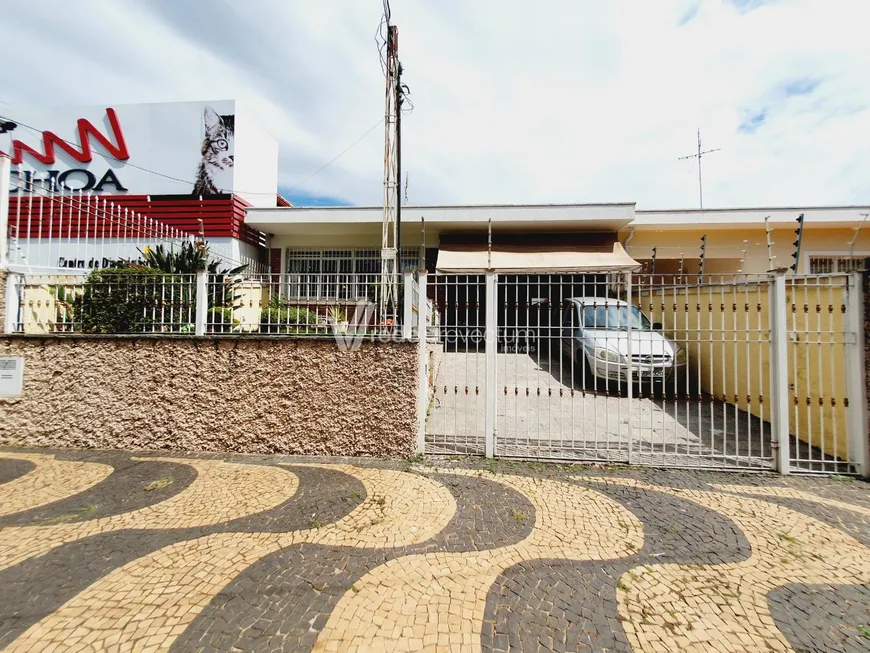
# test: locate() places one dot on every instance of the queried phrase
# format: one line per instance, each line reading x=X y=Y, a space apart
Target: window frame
x=349 y=263
x=808 y=256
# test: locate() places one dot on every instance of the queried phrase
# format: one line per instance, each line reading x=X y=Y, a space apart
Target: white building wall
x=256 y=177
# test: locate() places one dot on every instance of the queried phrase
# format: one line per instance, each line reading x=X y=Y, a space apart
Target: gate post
x=779 y=375
x=5 y=172
x=422 y=360
x=13 y=303
x=201 y=302
x=408 y=304
x=856 y=392
x=630 y=385
x=491 y=339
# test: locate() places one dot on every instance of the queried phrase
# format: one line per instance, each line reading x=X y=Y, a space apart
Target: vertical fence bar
x=629 y=390
x=422 y=360
x=779 y=416
x=407 y=308
x=856 y=415
x=5 y=173
x=491 y=338
x=201 y=301
x=13 y=303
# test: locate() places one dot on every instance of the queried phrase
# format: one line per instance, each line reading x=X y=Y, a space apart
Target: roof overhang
x=814 y=217
x=442 y=219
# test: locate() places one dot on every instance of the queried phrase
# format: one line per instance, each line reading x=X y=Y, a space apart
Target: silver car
x=595 y=334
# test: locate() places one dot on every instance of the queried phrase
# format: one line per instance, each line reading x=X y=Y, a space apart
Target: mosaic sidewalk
x=109 y=551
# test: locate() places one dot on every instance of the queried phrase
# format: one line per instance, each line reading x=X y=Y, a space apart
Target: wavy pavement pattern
x=791 y=493
x=568 y=604
x=668 y=607
x=50 y=481
x=153 y=599
x=437 y=583
x=12 y=469
x=438 y=599
x=37 y=587
x=221 y=491
x=283 y=601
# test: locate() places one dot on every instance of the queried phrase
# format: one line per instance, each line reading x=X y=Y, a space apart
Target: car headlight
x=607 y=355
x=682 y=357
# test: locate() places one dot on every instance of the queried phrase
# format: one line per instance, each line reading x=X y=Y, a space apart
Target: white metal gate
x=734 y=372
x=456 y=405
x=548 y=403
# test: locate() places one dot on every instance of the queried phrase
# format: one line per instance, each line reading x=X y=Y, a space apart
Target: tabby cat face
x=218 y=147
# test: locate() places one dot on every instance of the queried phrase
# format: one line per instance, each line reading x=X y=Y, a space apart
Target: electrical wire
x=85 y=208
x=337 y=157
x=38 y=132
x=382 y=34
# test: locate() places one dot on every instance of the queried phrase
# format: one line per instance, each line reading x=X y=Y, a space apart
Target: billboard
x=179 y=148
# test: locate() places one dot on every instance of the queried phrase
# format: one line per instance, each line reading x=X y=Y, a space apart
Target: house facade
x=327 y=240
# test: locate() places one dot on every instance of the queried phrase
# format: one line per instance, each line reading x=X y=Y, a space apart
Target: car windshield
x=614 y=317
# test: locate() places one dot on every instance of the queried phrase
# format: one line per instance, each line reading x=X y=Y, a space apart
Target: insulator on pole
x=770 y=256
x=799 y=235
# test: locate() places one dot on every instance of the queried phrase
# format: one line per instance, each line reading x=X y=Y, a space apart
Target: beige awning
x=458 y=259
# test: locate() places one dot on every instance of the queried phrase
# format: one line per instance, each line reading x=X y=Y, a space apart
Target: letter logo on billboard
x=83 y=154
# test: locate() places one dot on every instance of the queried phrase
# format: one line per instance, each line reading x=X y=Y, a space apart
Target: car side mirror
x=657 y=326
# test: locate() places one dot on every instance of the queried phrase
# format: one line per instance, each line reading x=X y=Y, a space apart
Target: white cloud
x=555 y=101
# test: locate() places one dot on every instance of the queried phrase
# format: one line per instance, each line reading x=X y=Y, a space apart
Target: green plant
x=221 y=319
x=159 y=484
x=286 y=320
x=336 y=315
x=64 y=307
x=133 y=300
x=190 y=258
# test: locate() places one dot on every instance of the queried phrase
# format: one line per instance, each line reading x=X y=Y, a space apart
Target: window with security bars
x=327 y=274
x=836 y=264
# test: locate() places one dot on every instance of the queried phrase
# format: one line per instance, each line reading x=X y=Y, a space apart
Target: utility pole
x=400 y=299
x=390 y=253
x=698 y=156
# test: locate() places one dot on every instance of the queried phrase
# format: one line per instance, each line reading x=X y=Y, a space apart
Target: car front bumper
x=641 y=373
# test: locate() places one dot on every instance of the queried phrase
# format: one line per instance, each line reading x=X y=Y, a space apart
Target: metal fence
x=747 y=372
x=728 y=372
x=107 y=301
x=720 y=404
x=144 y=300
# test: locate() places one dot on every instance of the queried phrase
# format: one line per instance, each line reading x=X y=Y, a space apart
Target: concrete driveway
x=540 y=407
x=544 y=412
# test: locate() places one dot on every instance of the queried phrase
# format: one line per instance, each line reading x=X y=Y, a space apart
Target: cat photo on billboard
x=215 y=172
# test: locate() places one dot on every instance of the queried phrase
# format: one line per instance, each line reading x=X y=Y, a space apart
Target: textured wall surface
x=867 y=332
x=3 y=275
x=216 y=394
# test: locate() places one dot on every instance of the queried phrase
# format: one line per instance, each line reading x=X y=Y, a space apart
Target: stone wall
x=3 y=275
x=867 y=332
x=230 y=394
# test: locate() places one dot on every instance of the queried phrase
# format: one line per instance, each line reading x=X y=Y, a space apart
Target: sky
x=557 y=101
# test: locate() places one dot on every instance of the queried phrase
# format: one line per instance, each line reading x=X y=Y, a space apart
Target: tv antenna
x=698 y=155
